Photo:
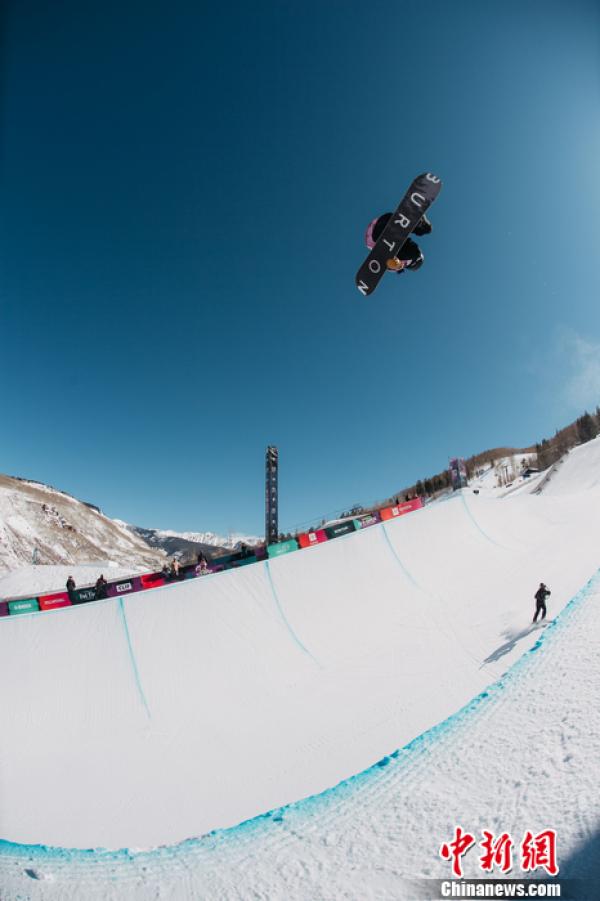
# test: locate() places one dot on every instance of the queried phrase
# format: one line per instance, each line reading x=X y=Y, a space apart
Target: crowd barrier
x=147 y=581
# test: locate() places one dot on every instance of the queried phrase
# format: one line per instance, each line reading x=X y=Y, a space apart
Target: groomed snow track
x=162 y=717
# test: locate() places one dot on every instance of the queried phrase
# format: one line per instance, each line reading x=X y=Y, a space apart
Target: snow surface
x=159 y=717
x=30 y=581
x=492 y=480
x=578 y=472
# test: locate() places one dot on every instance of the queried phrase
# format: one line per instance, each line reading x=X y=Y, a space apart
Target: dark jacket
x=101 y=588
x=410 y=250
x=541 y=594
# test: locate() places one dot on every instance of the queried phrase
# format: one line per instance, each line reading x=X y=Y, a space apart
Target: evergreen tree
x=543 y=454
x=586 y=429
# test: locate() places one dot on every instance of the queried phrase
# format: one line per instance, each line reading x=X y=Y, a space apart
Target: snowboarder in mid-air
x=411 y=256
x=540 y=601
x=389 y=236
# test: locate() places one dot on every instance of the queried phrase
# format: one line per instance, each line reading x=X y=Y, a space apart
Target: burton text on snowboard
x=417 y=200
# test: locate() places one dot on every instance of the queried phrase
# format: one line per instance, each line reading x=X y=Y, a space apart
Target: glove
x=395 y=264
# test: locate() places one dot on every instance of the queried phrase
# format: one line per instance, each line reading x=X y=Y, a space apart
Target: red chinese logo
x=536 y=851
x=539 y=851
x=497 y=852
x=456 y=849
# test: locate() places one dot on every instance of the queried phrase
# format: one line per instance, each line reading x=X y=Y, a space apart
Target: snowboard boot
x=423 y=226
x=416 y=264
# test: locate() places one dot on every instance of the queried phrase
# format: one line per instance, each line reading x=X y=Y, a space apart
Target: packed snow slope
x=149 y=719
x=522 y=755
x=31 y=581
x=577 y=472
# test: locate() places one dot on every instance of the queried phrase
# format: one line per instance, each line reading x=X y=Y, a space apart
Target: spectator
x=202 y=566
x=71 y=588
x=101 y=588
x=166 y=572
x=175 y=574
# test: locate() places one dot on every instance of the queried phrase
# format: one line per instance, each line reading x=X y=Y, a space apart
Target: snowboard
x=417 y=200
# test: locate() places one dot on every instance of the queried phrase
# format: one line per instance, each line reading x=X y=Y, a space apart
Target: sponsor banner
x=123 y=586
x=153 y=580
x=83 y=595
x=244 y=561
x=58 y=599
x=415 y=504
x=284 y=547
x=401 y=509
x=458 y=473
x=340 y=528
x=27 y=605
x=371 y=519
x=308 y=539
x=3 y=608
x=224 y=560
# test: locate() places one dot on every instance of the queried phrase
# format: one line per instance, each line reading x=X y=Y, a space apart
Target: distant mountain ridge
x=189 y=544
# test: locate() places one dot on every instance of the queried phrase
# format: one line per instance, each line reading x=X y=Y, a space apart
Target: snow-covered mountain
x=181 y=544
x=233 y=540
x=175 y=545
x=41 y=525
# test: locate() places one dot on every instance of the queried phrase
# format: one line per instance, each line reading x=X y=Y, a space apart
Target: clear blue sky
x=185 y=189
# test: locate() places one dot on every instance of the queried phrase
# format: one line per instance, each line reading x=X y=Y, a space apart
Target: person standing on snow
x=71 y=588
x=410 y=252
x=101 y=588
x=540 y=601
